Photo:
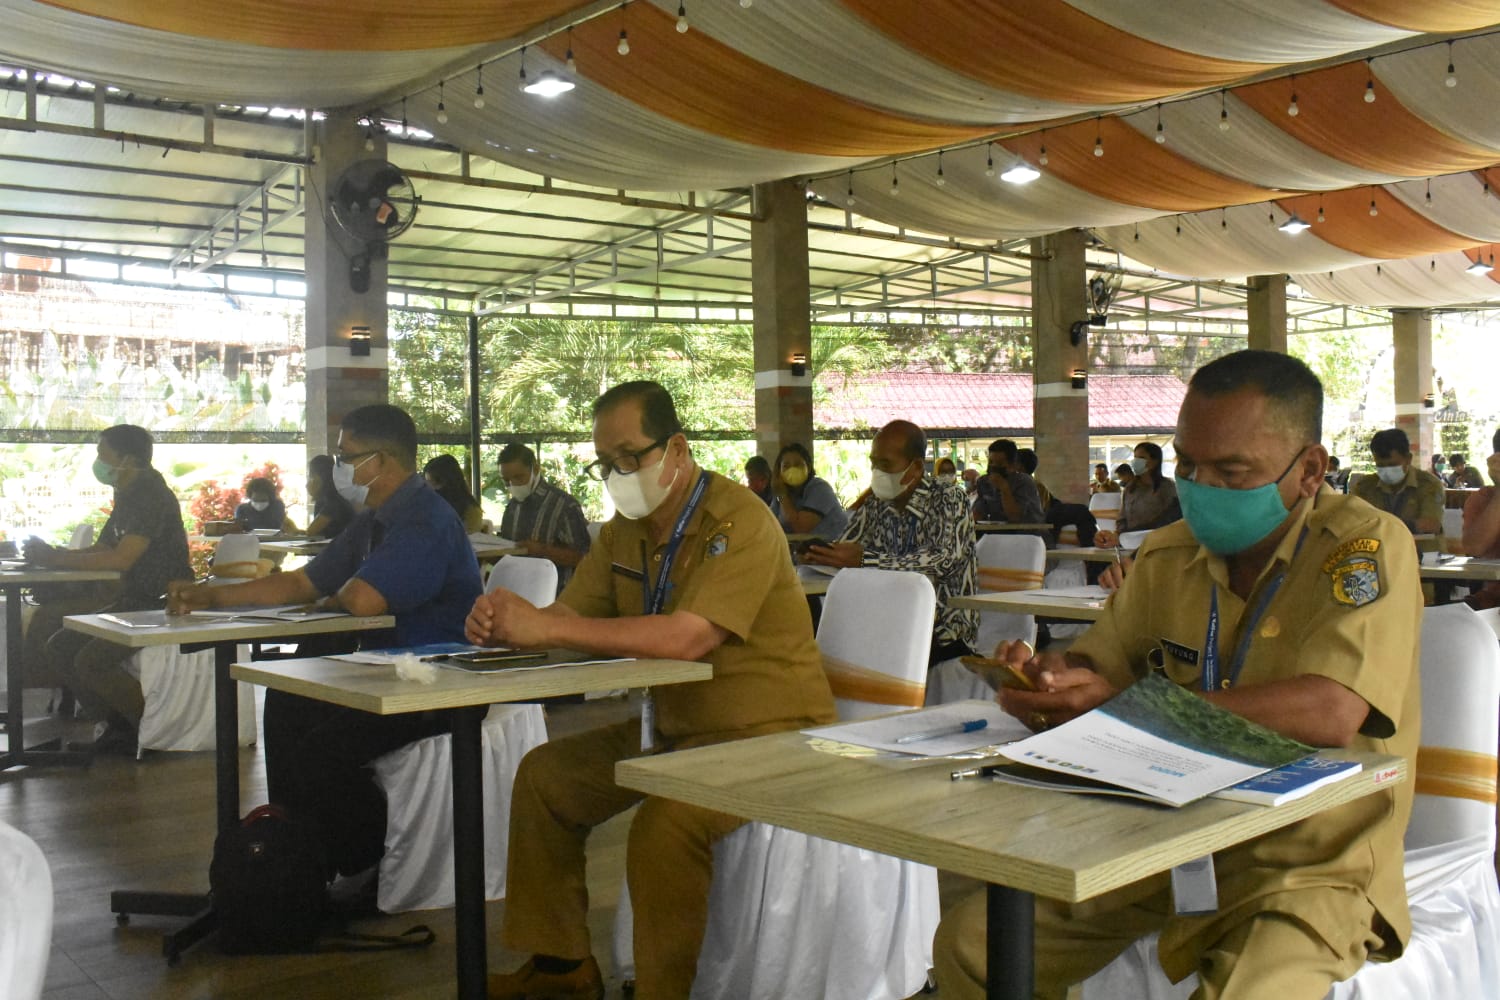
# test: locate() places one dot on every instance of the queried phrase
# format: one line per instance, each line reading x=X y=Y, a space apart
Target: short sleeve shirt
x=414 y=551
x=550 y=516
x=1417 y=497
x=1143 y=508
x=1349 y=609
x=271 y=517
x=989 y=507
x=732 y=568
x=148 y=507
x=817 y=496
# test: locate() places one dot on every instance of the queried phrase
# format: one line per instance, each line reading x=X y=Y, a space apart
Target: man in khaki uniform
x=1318 y=609
x=1399 y=487
x=731 y=597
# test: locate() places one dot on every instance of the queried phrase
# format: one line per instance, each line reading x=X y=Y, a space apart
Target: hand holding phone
x=999 y=673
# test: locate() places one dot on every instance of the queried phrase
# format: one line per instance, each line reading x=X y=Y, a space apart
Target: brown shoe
x=526 y=983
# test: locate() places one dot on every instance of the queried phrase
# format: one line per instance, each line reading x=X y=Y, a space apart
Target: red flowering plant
x=212 y=503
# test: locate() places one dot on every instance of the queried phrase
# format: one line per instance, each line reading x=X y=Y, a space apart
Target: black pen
x=975 y=772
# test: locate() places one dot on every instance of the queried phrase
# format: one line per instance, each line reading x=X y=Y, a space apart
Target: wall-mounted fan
x=374 y=202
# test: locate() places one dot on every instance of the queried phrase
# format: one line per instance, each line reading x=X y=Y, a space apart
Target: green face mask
x=1226 y=521
x=104 y=472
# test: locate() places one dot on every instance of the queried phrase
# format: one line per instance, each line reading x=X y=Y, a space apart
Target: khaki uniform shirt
x=1419 y=496
x=732 y=568
x=1349 y=609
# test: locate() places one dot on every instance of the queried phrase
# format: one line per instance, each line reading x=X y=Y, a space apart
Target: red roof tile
x=997 y=404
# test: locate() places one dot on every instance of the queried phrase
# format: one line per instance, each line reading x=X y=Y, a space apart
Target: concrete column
x=783 y=317
x=1059 y=283
x=338 y=381
x=1411 y=330
x=1266 y=305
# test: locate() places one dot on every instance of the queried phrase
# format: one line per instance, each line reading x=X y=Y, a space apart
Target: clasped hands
x=1063 y=690
x=502 y=618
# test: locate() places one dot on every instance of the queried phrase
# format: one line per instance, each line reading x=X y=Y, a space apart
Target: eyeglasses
x=625 y=464
x=353 y=456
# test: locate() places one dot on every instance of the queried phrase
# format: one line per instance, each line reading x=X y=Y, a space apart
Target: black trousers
x=317 y=767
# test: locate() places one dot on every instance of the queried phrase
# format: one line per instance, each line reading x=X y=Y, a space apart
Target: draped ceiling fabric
x=858 y=96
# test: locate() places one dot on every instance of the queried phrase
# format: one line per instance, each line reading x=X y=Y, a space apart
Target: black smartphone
x=493 y=659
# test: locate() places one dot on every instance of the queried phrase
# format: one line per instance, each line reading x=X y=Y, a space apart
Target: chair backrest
x=1455 y=767
x=25 y=915
x=534 y=579
x=1008 y=563
x=1133 y=539
x=594 y=527
x=82 y=538
x=1105 y=504
x=875 y=635
x=1453 y=530
x=238 y=558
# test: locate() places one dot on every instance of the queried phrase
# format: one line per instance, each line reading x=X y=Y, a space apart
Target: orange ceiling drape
x=1428 y=15
x=702 y=83
x=1335 y=120
x=1134 y=170
x=1398 y=232
x=334 y=25
x=1046 y=48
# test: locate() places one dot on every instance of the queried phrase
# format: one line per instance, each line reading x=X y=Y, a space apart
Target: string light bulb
x=682 y=21
x=479 y=87
x=521 y=77
x=1321 y=217
x=1370 y=83
x=1374 y=210
x=1291 y=109
x=941 y=179
x=568 y=59
x=1042 y=159
x=369 y=137
x=1429 y=192
x=989 y=160
x=895 y=182
x=1098 y=139
x=849 y=195
x=1161 y=133
x=1223 y=111
x=623 y=45
x=442 y=110
x=1451 y=80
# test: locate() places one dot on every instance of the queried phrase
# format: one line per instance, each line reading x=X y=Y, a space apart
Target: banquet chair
x=791 y=915
x=1132 y=540
x=1106 y=509
x=179 y=691
x=237 y=559
x=416 y=871
x=82 y=537
x=25 y=915
x=1450 y=842
x=1006 y=563
x=531 y=578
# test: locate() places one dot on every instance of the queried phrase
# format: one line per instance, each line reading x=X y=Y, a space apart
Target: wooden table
x=14 y=578
x=981 y=527
x=157 y=628
x=376 y=689
x=1084 y=553
x=1469 y=569
x=1033 y=602
x=1020 y=841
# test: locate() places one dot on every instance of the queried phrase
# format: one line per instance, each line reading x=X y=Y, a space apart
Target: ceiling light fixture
x=549 y=84
x=1292 y=109
x=1021 y=173
x=895 y=181
x=479 y=86
x=521 y=77
x=1161 y=134
x=1451 y=80
x=1294 y=225
x=623 y=46
x=1041 y=160
x=1373 y=209
x=568 y=59
x=1098 y=138
x=941 y=179
x=989 y=160
x=1223 y=111
x=1370 y=83
x=442 y=111
x=1479 y=266
x=682 y=22
x=1320 y=211
x=849 y=197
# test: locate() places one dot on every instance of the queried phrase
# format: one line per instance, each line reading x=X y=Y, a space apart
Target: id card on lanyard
x=654 y=599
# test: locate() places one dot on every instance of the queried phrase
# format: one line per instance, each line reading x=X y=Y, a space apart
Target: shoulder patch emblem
x=1356 y=580
x=1367 y=546
x=716 y=545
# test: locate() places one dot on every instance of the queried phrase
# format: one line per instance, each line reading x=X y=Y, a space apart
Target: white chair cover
x=179 y=692
x=1453 y=530
x=1006 y=563
x=533 y=579
x=796 y=916
x=416 y=872
x=25 y=915
x=82 y=538
x=1450 y=842
x=1106 y=509
x=238 y=558
x=1133 y=540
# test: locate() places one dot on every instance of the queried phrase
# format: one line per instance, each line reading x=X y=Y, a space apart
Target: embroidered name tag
x=1178 y=651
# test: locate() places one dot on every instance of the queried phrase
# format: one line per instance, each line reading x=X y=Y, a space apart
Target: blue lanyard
x=656 y=599
x=1211 y=681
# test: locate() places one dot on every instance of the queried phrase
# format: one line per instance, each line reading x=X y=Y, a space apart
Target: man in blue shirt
x=406 y=554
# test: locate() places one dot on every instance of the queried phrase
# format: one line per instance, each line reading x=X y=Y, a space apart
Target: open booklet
x=279 y=613
x=1154 y=740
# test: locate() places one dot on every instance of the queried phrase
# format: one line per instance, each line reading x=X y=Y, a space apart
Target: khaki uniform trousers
x=1267 y=955
x=563 y=790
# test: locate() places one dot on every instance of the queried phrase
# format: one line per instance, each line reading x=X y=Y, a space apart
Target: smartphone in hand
x=999 y=673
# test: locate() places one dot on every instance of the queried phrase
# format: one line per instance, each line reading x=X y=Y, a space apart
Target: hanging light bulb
x=568 y=59
x=1320 y=212
x=442 y=111
x=1223 y=219
x=941 y=180
x=1223 y=111
x=1137 y=232
x=623 y=46
x=1451 y=80
x=1041 y=160
x=895 y=182
x=989 y=160
x=479 y=87
x=682 y=22
x=1098 y=141
x=1373 y=209
x=521 y=78
x=849 y=196
x=1161 y=134
x=1370 y=83
x=1429 y=192
x=369 y=140
x=1292 y=109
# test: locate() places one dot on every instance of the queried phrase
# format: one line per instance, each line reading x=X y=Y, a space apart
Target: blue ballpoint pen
x=957 y=729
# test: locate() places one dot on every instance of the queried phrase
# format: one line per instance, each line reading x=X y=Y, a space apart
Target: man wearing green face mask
x=1284 y=602
x=145 y=542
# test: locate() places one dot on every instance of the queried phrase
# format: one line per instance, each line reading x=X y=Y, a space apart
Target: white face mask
x=947 y=478
x=259 y=504
x=1138 y=465
x=522 y=491
x=343 y=481
x=1390 y=474
x=887 y=485
x=638 y=494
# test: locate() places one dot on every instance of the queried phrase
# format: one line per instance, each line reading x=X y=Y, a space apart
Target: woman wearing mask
x=331 y=513
x=802 y=502
x=262 y=508
x=946 y=472
x=444 y=475
x=1149 y=501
